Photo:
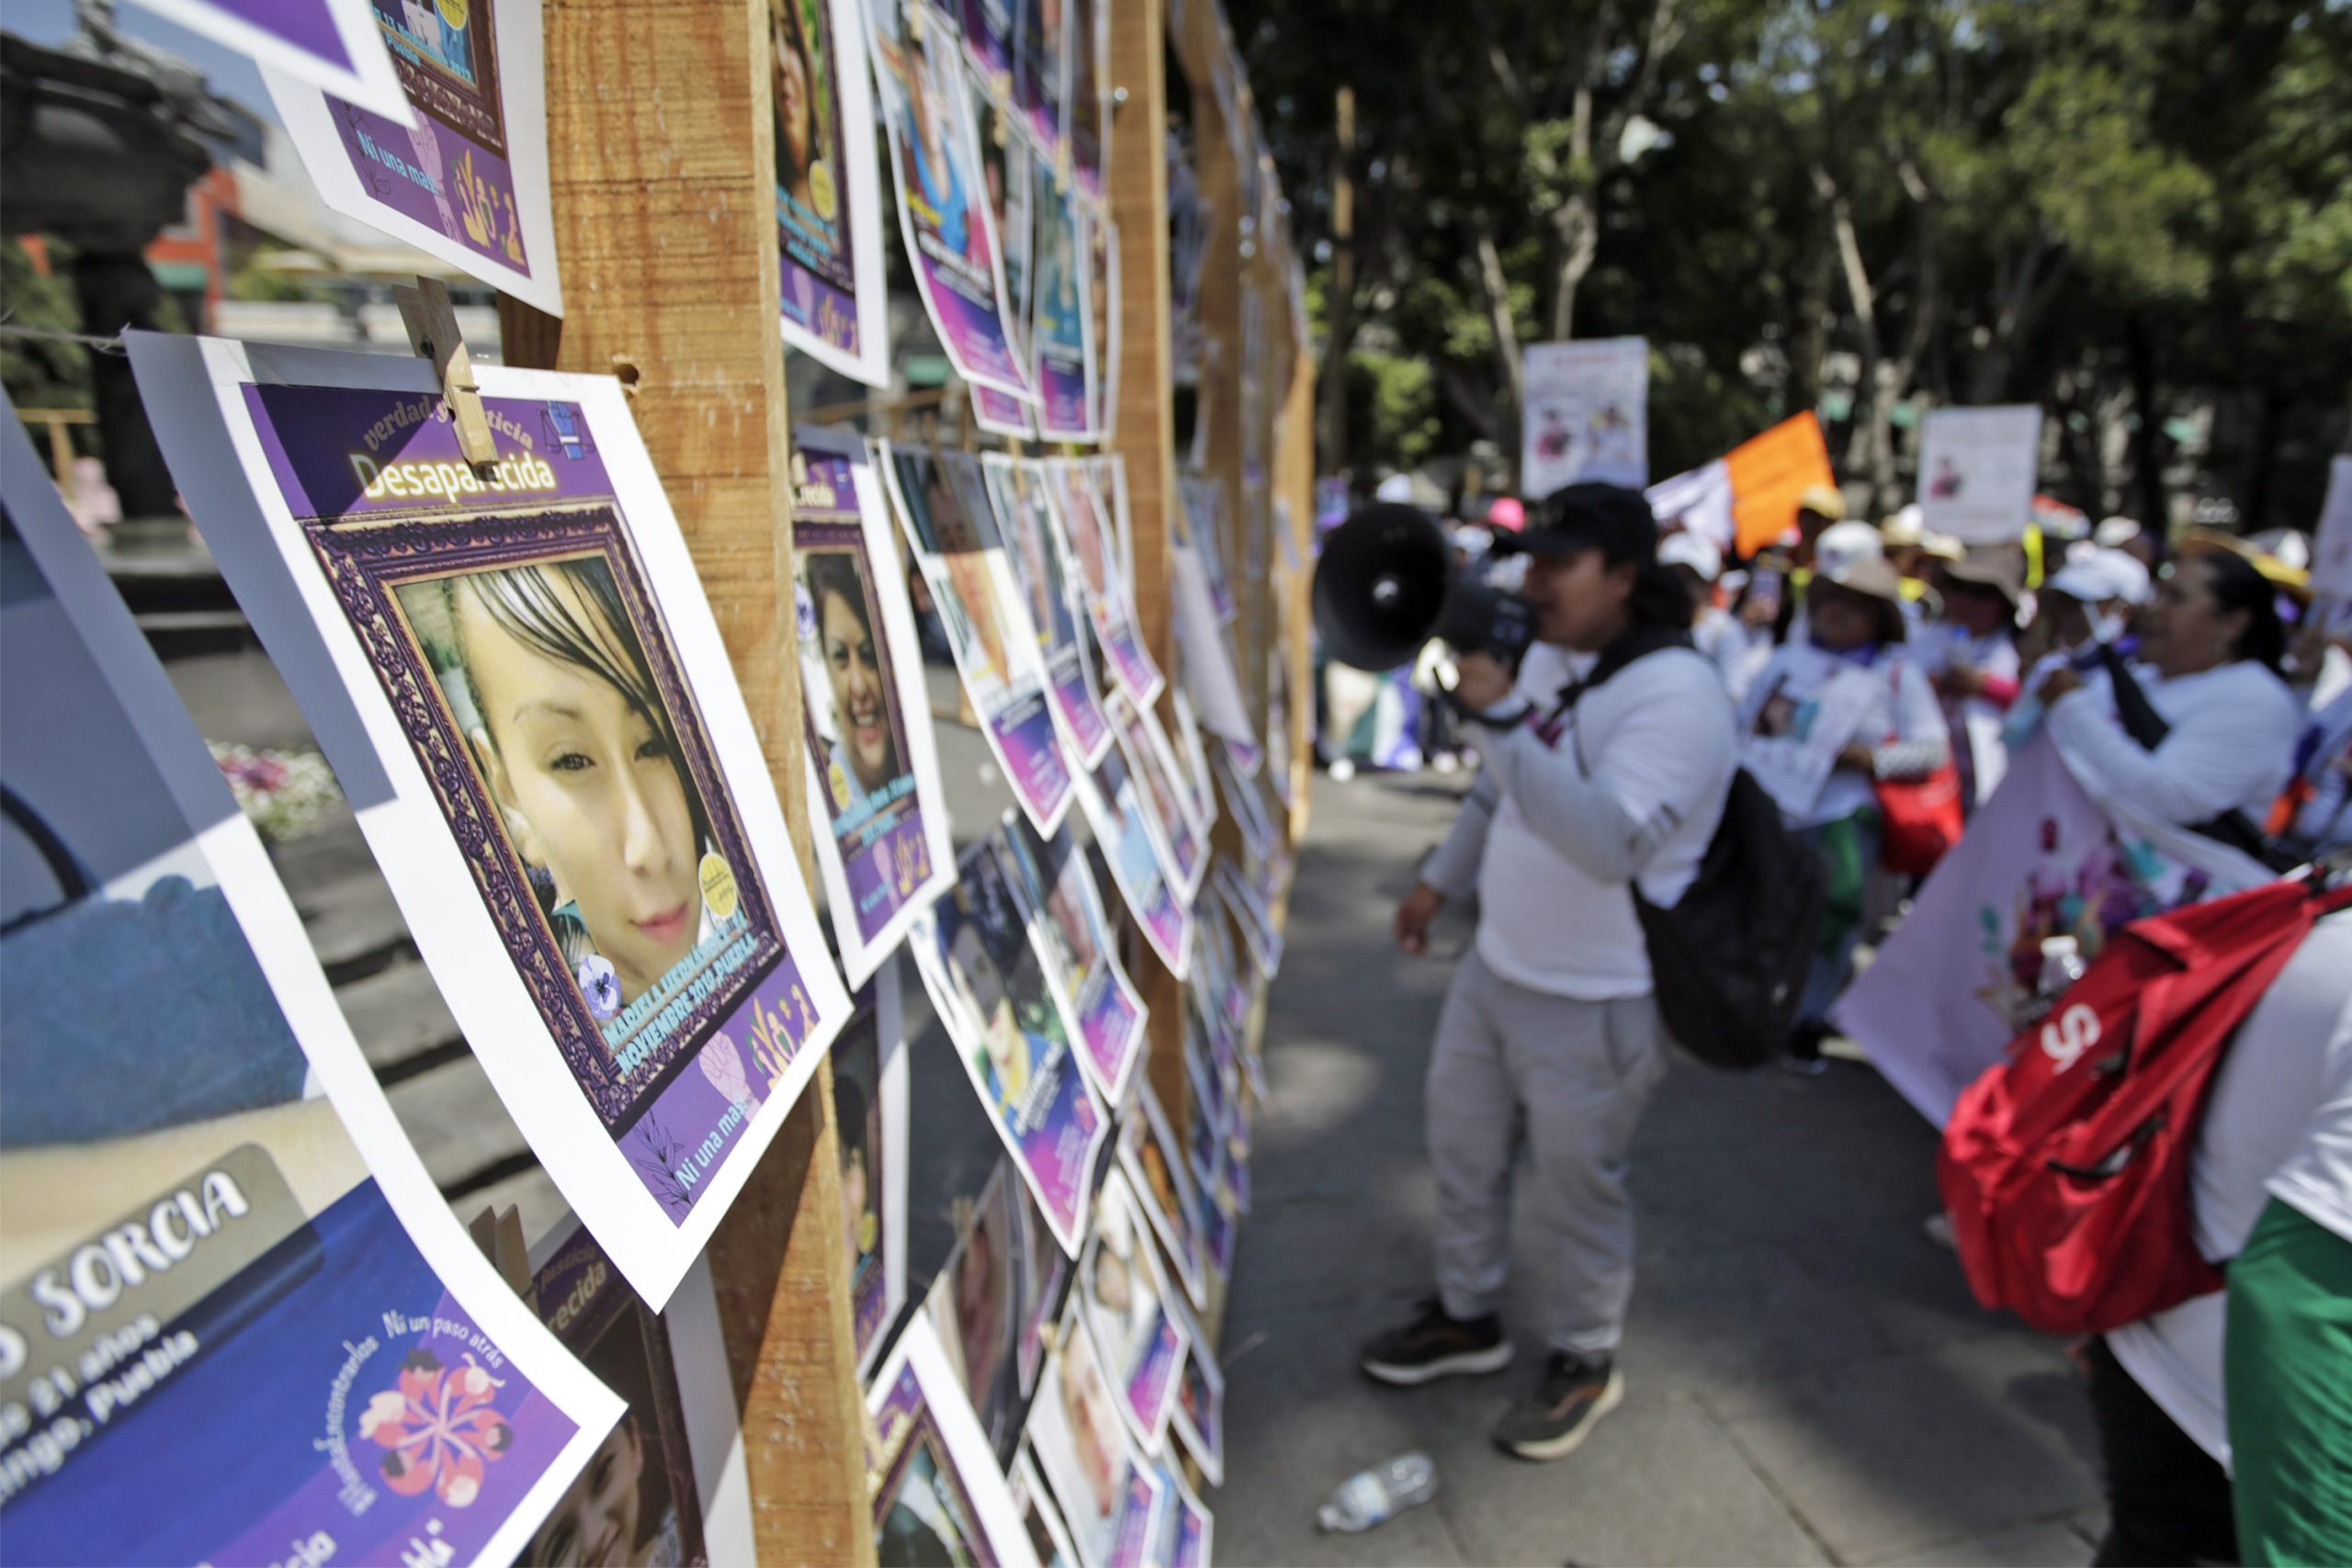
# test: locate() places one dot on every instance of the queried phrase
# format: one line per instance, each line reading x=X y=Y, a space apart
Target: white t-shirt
x=1657 y=736
x=2232 y=743
x=1816 y=702
x=2278 y=1125
x=1975 y=722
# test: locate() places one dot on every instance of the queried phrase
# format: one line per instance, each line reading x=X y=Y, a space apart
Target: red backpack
x=2065 y=1168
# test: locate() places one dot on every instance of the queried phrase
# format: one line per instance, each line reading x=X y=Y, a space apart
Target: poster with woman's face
x=463 y=175
x=828 y=190
x=870 y=1117
x=873 y=762
x=1112 y=1501
x=1152 y=761
x=942 y=502
x=943 y=211
x=1161 y=1179
x=1033 y=553
x=986 y=974
x=1060 y=310
x=234 y=1310
x=1007 y=160
x=975 y=1306
x=1116 y=813
x=1084 y=967
x=1089 y=115
x=1041 y=68
x=518 y=677
x=1086 y=539
x=1121 y=1297
x=650 y=1498
x=939 y=1497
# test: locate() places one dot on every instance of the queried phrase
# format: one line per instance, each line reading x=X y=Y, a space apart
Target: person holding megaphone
x=1607 y=758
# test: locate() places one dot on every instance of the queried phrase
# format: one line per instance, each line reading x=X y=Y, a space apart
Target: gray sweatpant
x=1571 y=1078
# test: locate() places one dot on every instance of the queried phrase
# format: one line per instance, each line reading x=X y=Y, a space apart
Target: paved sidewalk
x=1807 y=1378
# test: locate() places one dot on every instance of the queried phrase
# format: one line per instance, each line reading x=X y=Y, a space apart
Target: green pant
x=2288 y=1367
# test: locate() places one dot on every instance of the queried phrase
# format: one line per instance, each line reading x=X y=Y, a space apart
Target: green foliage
x=1394 y=402
x=40 y=373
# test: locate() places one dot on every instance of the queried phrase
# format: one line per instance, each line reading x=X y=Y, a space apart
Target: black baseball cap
x=1616 y=521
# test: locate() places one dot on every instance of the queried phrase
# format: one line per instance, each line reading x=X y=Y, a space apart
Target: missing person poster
x=874 y=791
x=1587 y=415
x=1088 y=539
x=333 y=45
x=520 y=685
x=938 y=1495
x=1007 y=171
x=984 y=968
x=1155 y=1165
x=1088 y=118
x=870 y=1117
x=993 y=1302
x=1117 y=815
x=1113 y=1502
x=1199 y=1419
x=668 y=1486
x=1041 y=70
x=828 y=189
x=1182 y=837
x=944 y=213
x=1082 y=955
x=237 y=1320
x=463 y=177
x=1105 y=297
x=1247 y=906
x=1049 y=1538
x=1977 y=468
x=1190 y=1532
x=1121 y=1295
x=1025 y=502
x=942 y=503
x=1060 y=314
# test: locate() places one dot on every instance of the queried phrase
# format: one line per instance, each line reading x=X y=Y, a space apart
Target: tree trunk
x=1339 y=323
x=1497 y=286
x=1873 y=437
x=2151 y=447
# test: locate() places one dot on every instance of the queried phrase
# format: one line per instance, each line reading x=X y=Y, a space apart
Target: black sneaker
x=1570 y=1399
x=1434 y=1346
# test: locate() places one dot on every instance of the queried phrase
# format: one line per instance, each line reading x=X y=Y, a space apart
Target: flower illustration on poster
x=440 y=1426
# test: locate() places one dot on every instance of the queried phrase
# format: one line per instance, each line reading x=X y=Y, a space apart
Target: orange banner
x=1769 y=473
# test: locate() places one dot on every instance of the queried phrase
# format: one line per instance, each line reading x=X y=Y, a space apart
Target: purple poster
x=827 y=196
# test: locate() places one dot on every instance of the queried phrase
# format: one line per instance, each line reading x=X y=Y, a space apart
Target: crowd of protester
x=1845 y=658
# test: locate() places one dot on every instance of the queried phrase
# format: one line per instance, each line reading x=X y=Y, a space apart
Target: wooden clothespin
x=432 y=323
x=500 y=1237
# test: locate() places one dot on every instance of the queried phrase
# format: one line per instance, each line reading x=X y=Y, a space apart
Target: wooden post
x=1146 y=433
x=660 y=140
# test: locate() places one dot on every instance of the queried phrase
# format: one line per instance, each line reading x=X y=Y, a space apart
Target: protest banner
x=1025 y=504
x=1082 y=955
x=883 y=851
x=942 y=503
x=1768 y=472
x=938 y=1493
x=1587 y=414
x=1122 y=1296
x=944 y=217
x=336 y=46
x=1957 y=980
x=636 y=962
x=312 y=1349
x=1977 y=471
x=828 y=189
x=463 y=177
x=984 y=966
x=1697 y=501
x=2332 y=537
x=1113 y=1502
x=668 y=1484
x=870 y=1123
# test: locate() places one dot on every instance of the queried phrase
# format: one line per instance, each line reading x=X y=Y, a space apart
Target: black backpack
x=1728 y=959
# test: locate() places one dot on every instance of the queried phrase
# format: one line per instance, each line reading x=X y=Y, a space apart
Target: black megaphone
x=1387 y=582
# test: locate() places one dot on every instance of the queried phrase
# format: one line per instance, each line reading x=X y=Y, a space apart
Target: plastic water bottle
x=1374 y=1496
x=2061 y=965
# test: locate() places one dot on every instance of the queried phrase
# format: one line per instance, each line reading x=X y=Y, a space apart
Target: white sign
x=2332 y=540
x=1699 y=501
x=1587 y=416
x=1977 y=471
